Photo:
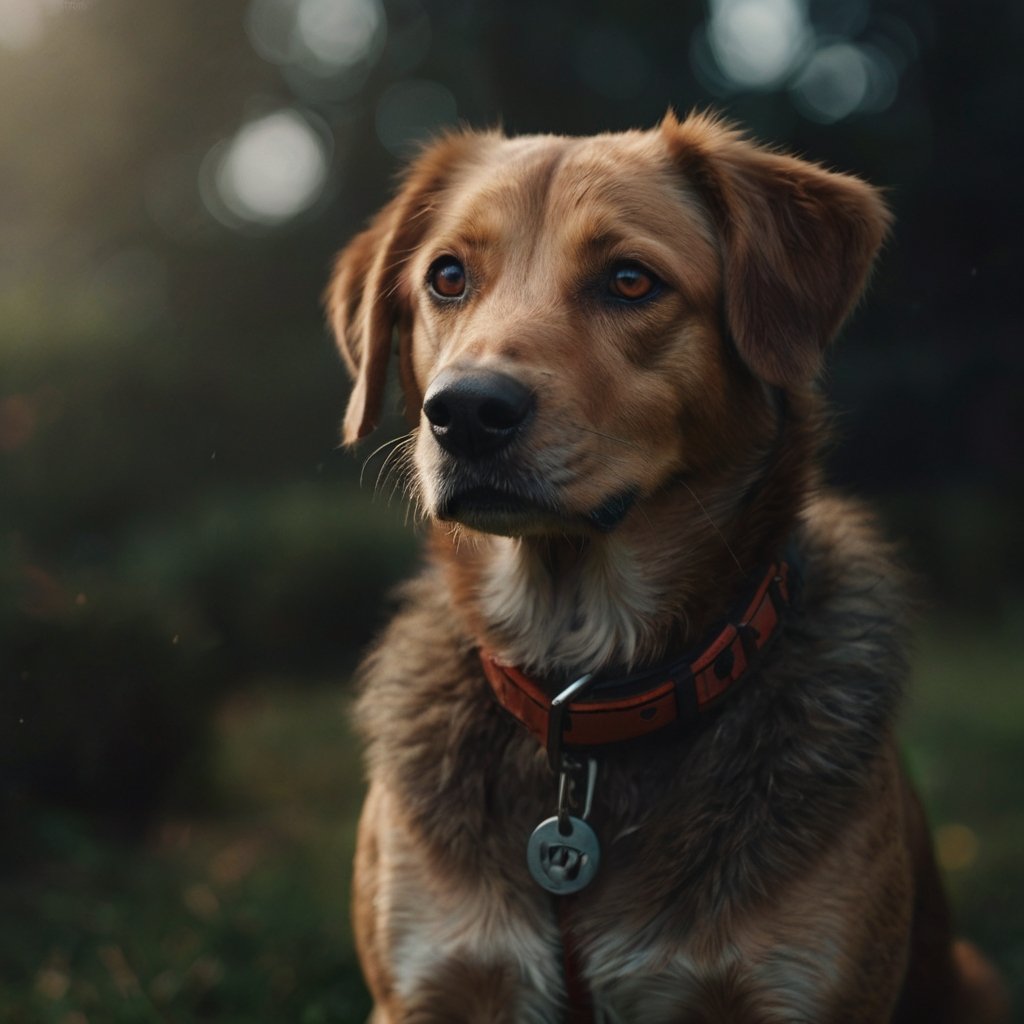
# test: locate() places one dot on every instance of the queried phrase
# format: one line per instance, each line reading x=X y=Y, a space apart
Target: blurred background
x=188 y=564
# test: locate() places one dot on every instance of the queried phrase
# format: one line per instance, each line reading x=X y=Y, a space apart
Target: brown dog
x=644 y=623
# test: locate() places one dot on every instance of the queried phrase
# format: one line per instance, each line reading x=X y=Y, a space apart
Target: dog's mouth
x=613 y=510
x=512 y=513
x=493 y=510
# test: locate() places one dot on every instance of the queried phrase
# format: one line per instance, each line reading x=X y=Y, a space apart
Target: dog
x=630 y=737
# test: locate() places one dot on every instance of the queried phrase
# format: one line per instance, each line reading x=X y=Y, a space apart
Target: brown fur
x=771 y=866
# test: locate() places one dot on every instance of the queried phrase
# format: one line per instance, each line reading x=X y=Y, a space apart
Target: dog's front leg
x=438 y=947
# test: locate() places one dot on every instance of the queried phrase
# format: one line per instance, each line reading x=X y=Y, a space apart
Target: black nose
x=476 y=412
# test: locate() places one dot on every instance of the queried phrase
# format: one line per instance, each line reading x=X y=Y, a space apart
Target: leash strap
x=580 y=1003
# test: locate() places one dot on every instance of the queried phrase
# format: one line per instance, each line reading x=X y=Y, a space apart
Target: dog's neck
x=561 y=606
x=565 y=608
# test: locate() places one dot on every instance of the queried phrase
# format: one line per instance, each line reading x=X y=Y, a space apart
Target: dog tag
x=563 y=863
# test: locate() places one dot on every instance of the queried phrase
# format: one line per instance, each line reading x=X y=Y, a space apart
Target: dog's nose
x=476 y=412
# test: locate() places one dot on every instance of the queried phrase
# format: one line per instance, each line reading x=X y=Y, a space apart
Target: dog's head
x=580 y=321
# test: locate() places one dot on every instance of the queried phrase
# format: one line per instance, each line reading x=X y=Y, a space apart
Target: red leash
x=580 y=1009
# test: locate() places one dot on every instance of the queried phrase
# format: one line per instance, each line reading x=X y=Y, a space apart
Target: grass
x=239 y=914
x=964 y=736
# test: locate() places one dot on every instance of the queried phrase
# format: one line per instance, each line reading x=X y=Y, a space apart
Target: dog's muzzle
x=473 y=413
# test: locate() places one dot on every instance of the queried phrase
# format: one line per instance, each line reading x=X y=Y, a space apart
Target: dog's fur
x=771 y=866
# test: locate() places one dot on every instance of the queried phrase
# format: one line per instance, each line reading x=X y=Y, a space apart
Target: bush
x=102 y=710
x=111 y=667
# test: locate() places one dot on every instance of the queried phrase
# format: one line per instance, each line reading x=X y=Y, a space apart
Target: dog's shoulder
x=766 y=786
x=851 y=635
x=415 y=676
x=434 y=735
x=831 y=691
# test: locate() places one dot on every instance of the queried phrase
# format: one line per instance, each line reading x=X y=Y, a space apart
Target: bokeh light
x=835 y=60
x=956 y=846
x=883 y=78
x=22 y=22
x=325 y=39
x=275 y=167
x=339 y=35
x=843 y=78
x=757 y=43
x=834 y=82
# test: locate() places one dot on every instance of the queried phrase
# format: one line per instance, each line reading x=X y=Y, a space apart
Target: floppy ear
x=798 y=242
x=365 y=298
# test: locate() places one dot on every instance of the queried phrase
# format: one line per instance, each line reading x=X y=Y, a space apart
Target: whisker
x=402 y=480
x=402 y=470
x=396 y=457
x=714 y=525
x=393 y=441
x=609 y=437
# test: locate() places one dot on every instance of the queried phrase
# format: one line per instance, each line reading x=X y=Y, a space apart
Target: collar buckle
x=556 y=718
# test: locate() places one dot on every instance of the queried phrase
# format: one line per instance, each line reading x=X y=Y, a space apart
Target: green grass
x=239 y=914
x=964 y=737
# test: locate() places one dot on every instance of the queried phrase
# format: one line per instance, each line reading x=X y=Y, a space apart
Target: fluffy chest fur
x=695 y=829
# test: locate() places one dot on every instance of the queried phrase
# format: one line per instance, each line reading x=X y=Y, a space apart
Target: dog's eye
x=631 y=282
x=447 y=278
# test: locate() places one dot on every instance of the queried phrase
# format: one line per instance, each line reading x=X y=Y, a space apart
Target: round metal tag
x=563 y=863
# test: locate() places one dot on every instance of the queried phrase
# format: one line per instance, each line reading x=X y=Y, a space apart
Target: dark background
x=188 y=566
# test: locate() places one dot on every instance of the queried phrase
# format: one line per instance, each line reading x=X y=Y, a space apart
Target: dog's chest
x=740 y=982
x=639 y=964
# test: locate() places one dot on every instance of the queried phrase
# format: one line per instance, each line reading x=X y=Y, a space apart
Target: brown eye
x=632 y=283
x=447 y=278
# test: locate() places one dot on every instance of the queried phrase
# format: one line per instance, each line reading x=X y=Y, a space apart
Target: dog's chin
x=507 y=514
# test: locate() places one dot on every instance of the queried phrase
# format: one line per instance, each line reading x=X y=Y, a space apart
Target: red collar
x=656 y=699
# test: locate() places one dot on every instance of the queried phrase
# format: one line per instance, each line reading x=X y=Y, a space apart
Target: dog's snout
x=477 y=412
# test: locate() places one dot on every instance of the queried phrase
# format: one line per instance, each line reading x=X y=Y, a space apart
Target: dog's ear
x=365 y=298
x=798 y=242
